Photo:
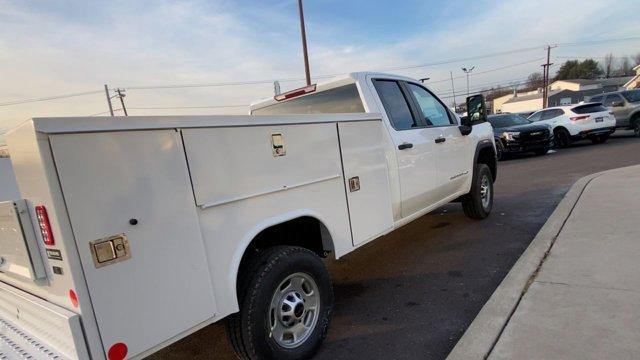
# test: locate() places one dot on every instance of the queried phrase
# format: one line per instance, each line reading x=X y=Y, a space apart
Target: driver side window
x=435 y=114
x=537 y=116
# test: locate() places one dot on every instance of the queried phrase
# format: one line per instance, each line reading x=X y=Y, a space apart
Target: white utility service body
x=151 y=215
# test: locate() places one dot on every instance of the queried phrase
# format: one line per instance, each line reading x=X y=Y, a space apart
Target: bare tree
x=636 y=59
x=625 y=67
x=535 y=80
x=608 y=65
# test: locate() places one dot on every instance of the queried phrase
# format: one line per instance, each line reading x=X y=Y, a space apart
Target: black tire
x=600 y=139
x=250 y=329
x=562 y=138
x=542 y=151
x=636 y=128
x=472 y=203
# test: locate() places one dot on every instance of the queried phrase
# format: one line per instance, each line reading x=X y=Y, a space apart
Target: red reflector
x=118 y=351
x=45 y=225
x=74 y=298
x=576 y=118
x=295 y=93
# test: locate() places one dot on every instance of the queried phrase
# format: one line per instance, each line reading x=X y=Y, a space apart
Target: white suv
x=575 y=122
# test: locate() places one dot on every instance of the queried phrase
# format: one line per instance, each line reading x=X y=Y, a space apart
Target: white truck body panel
x=109 y=178
x=363 y=149
x=8 y=185
x=201 y=189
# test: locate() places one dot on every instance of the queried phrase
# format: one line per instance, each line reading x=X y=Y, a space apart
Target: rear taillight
x=45 y=225
x=578 y=118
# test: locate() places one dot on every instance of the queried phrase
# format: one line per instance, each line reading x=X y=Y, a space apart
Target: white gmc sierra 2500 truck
x=131 y=233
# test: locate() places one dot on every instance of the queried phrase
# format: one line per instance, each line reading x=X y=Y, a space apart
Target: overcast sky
x=58 y=47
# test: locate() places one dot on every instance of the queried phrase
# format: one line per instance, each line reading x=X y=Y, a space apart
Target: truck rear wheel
x=478 y=202
x=286 y=298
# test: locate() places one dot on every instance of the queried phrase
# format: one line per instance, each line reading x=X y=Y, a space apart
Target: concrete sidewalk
x=582 y=300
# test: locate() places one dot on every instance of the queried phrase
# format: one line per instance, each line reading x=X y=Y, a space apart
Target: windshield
x=632 y=95
x=500 y=121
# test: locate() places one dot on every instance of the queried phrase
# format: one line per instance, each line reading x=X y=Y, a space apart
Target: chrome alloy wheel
x=294 y=310
x=485 y=192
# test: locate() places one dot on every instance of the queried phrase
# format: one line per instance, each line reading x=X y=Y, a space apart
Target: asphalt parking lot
x=412 y=294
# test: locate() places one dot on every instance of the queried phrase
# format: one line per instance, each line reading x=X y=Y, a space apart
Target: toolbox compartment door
x=136 y=184
x=366 y=175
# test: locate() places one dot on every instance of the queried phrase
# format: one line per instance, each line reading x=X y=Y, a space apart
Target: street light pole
x=467 y=71
x=304 y=44
x=453 y=91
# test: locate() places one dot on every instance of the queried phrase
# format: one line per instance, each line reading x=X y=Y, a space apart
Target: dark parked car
x=515 y=134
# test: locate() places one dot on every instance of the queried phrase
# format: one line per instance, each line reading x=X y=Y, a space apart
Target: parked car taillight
x=45 y=225
x=578 y=118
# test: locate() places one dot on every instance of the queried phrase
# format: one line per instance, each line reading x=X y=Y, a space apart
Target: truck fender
x=257 y=229
x=492 y=162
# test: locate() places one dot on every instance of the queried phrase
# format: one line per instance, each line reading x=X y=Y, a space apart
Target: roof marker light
x=295 y=93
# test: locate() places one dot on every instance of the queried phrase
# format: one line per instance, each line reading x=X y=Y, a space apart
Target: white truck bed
x=200 y=189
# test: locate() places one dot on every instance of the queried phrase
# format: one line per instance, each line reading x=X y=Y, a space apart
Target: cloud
x=63 y=47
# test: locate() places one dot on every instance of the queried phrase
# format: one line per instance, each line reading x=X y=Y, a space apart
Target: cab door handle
x=440 y=140
x=405 y=146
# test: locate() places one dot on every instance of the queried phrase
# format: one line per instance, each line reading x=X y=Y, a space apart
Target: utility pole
x=304 y=44
x=546 y=67
x=467 y=71
x=106 y=91
x=121 y=95
x=453 y=91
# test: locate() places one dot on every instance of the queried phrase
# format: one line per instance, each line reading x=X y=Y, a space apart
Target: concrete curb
x=485 y=330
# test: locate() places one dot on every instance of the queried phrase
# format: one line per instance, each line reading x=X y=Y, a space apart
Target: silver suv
x=625 y=106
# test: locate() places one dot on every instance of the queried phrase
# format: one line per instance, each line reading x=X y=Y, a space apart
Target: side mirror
x=617 y=104
x=476 y=109
x=465 y=125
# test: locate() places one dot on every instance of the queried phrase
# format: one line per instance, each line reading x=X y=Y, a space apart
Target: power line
x=488 y=71
x=481 y=91
x=269 y=81
x=24 y=101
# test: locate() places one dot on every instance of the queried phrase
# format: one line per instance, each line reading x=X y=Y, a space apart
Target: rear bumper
x=32 y=328
x=594 y=132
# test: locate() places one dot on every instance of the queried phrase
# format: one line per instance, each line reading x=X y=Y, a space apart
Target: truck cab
x=430 y=159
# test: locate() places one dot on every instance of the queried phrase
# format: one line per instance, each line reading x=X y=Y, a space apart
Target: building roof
x=604 y=82
x=531 y=96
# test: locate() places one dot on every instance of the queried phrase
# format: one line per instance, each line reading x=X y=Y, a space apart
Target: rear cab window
x=395 y=104
x=343 y=99
x=589 y=109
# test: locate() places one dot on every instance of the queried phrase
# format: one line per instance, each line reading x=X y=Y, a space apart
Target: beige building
x=634 y=83
x=608 y=84
x=522 y=103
